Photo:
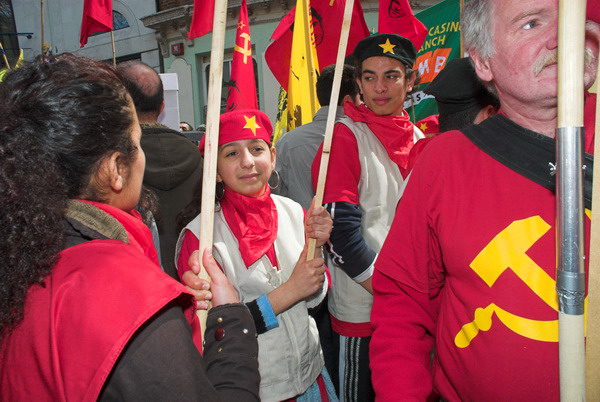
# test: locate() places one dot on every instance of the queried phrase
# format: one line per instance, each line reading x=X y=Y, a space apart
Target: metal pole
x=112 y=41
x=42 y=25
x=570 y=277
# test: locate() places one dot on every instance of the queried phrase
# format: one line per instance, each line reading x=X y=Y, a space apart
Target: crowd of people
x=434 y=274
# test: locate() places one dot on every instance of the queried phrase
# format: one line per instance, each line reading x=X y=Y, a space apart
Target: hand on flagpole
x=218 y=290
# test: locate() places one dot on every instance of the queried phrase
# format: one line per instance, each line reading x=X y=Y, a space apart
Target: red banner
x=97 y=17
x=327 y=17
x=242 y=85
x=396 y=16
x=202 y=19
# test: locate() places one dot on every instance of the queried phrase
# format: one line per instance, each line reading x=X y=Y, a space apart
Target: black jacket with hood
x=174 y=173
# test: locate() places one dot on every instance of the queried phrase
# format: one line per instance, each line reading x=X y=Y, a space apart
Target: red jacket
x=77 y=324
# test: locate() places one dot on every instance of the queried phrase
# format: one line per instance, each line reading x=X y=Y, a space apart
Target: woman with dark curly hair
x=85 y=311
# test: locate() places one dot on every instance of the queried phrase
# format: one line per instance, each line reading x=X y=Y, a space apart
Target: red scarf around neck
x=253 y=222
x=394 y=132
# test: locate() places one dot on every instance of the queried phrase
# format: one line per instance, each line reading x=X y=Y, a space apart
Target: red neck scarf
x=394 y=132
x=253 y=222
x=138 y=233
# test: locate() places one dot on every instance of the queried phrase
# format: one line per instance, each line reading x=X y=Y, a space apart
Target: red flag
x=242 y=85
x=396 y=16
x=202 y=19
x=97 y=17
x=327 y=17
x=429 y=125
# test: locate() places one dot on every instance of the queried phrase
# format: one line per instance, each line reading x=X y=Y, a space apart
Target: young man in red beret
x=368 y=166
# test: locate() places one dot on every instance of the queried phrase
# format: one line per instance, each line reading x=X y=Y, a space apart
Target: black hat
x=388 y=45
x=458 y=88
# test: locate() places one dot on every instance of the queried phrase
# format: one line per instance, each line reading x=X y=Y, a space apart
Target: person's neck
x=148 y=118
x=541 y=120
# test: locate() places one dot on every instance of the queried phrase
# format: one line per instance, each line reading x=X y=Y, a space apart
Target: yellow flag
x=302 y=101
x=18 y=64
x=281 y=122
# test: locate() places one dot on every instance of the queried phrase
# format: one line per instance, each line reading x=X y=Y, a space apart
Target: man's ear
x=484 y=113
x=359 y=84
x=162 y=107
x=411 y=82
x=482 y=67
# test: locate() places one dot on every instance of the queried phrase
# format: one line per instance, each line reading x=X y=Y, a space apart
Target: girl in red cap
x=260 y=243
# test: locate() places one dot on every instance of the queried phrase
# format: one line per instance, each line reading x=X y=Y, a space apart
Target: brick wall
x=166 y=4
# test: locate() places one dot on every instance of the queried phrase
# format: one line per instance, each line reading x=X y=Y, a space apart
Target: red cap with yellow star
x=387 y=45
x=243 y=124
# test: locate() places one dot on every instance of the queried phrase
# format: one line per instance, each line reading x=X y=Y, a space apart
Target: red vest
x=77 y=325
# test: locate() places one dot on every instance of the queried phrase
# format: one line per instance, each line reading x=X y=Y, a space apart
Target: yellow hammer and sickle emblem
x=246 y=50
x=508 y=251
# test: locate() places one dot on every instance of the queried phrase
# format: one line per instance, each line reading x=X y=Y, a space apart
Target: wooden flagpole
x=592 y=344
x=207 y=207
x=4 y=56
x=112 y=41
x=569 y=180
x=335 y=93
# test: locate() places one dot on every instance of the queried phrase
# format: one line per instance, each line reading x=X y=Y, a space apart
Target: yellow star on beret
x=387 y=46
x=251 y=124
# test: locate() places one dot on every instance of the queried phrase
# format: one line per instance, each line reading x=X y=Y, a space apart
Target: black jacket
x=174 y=173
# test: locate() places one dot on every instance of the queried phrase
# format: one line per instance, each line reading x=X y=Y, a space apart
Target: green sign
x=441 y=44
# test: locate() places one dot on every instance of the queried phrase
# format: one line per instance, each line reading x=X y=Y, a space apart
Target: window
x=8 y=33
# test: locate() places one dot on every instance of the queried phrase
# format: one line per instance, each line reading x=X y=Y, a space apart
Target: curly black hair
x=60 y=116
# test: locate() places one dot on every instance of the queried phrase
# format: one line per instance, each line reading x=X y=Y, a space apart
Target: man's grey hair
x=477 y=26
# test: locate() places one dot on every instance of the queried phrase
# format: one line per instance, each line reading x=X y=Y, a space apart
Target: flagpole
x=4 y=56
x=42 y=25
x=333 y=101
x=112 y=41
x=570 y=276
x=211 y=144
x=592 y=345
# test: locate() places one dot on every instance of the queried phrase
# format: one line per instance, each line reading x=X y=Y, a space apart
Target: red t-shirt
x=469 y=263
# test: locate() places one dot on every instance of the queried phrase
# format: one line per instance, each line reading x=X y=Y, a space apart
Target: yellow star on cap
x=387 y=46
x=423 y=127
x=251 y=124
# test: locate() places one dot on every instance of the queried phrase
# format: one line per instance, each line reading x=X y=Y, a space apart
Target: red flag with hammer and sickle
x=327 y=17
x=202 y=18
x=242 y=84
x=97 y=17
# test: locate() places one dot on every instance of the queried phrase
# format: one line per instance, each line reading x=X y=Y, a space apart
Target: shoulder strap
x=528 y=153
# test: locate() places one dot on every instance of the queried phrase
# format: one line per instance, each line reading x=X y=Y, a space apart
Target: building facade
x=61 y=20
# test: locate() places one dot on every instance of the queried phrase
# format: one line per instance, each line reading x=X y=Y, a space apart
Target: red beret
x=243 y=124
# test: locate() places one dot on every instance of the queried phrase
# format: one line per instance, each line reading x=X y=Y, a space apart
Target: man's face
x=524 y=68
x=395 y=10
x=384 y=85
x=317 y=30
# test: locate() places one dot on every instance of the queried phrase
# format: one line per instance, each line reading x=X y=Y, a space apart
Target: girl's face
x=245 y=166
